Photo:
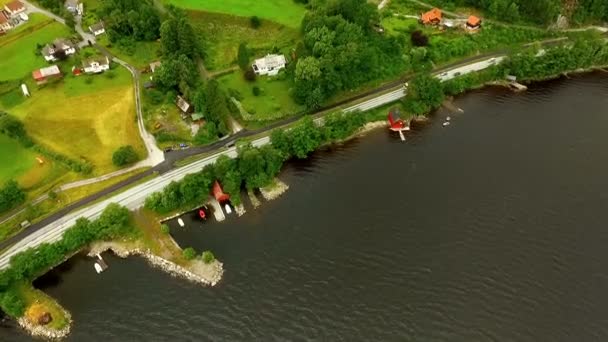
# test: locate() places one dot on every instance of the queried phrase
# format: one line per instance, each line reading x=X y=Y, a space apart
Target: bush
x=88 y=79
x=110 y=74
x=249 y=75
x=11 y=195
x=255 y=22
x=165 y=229
x=12 y=303
x=419 y=39
x=207 y=257
x=189 y=253
x=256 y=91
x=125 y=155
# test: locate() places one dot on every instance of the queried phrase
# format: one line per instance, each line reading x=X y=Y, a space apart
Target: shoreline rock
x=240 y=210
x=255 y=202
x=274 y=191
x=37 y=330
x=199 y=272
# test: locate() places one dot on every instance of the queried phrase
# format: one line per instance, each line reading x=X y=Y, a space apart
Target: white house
x=269 y=65
x=5 y=23
x=13 y=8
x=58 y=46
x=97 y=65
x=74 y=6
x=97 y=29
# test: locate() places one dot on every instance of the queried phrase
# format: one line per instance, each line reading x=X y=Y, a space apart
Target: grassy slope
x=16 y=160
x=83 y=120
x=222 y=35
x=17 y=57
x=286 y=12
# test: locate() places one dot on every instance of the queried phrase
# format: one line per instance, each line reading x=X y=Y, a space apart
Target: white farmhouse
x=97 y=29
x=269 y=65
x=97 y=65
x=51 y=52
x=74 y=6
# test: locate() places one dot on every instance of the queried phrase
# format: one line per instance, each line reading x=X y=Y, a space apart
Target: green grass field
x=285 y=12
x=223 y=33
x=17 y=48
x=273 y=103
x=16 y=160
x=84 y=120
x=140 y=54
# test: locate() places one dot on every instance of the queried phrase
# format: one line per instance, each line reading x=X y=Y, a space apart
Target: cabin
x=473 y=23
x=74 y=6
x=58 y=49
x=97 y=29
x=219 y=194
x=269 y=65
x=432 y=17
x=96 y=65
x=43 y=75
x=154 y=66
x=13 y=8
x=183 y=105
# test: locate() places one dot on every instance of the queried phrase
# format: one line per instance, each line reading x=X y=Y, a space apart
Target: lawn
x=17 y=49
x=285 y=12
x=16 y=160
x=222 y=34
x=274 y=101
x=85 y=117
x=140 y=54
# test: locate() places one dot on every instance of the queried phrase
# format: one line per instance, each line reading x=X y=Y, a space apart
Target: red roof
x=431 y=16
x=15 y=6
x=37 y=75
x=3 y=18
x=218 y=193
x=473 y=21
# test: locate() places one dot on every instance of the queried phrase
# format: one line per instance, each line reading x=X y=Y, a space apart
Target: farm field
x=16 y=160
x=17 y=48
x=222 y=35
x=85 y=117
x=285 y=12
x=273 y=102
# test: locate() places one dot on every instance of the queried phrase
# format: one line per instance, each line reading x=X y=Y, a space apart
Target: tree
x=255 y=22
x=12 y=303
x=11 y=195
x=168 y=37
x=207 y=257
x=189 y=253
x=424 y=93
x=419 y=39
x=124 y=155
x=243 y=57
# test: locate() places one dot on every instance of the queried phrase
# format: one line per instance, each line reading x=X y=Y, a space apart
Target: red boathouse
x=219 y=194
x=396 y=123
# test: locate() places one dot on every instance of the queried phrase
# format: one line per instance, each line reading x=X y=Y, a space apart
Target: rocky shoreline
x=198 y=272
x=275 y=190
x=38 y=330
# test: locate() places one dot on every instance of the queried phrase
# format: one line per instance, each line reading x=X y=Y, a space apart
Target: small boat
x=448 y=118
x=447 y=123
x=228 y=209
x=98 y=268
x=181 y=222
x=201 y=214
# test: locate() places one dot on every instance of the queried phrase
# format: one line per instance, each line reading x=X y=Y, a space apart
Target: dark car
x=168 y=149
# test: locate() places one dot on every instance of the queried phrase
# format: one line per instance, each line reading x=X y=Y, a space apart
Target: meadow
x=84 y=117
x=285 y=12
x=221 y=35
x=18 y=56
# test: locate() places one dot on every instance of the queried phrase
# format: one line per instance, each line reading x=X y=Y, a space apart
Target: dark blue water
x=492 y=229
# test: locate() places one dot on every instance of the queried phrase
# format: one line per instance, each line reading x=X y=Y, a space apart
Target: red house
x=219 y=194
x=396 y=123
x=43 y=75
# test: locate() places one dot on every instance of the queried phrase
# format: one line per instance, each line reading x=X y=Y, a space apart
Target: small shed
x=473 y=23
x=154 y=66
x=432 y=17
x=182 y=104
x=219 y=194
x=24 y=90
x=197 y=116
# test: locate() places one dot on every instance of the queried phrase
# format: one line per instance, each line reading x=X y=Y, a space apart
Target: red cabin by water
x=219 y=194
x=396 y=123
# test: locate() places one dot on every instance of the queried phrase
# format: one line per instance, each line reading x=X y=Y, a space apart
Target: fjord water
x=494 y=228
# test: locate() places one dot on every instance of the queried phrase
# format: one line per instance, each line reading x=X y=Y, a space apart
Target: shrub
x=255 y=22
x=88 y=79
x=207 y=257
x=249 y=75
x=124 y=155
x=419 y=39
x=11 y=195
x=110 y=74
x=165 y=229
x=12 y=303
x=189 y=253
x=256 y=91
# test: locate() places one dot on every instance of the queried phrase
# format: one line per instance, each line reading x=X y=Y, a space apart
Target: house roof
x=197 y=116
x=101 y=60
x=97 y=27
x=432 y=15
x=15 y=6
x=72 y=3
x=154 y=65
x=59 y=43
x=473 y=21
x=45 y=72
x=270 y=61
x=182 y=104
x=3 y=18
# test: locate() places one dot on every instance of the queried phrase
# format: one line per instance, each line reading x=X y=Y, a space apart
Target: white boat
x=181 y=222
x=228 y=209
x=447 y=123
x=98 y=268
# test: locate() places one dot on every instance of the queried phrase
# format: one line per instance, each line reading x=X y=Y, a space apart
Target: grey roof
x=97 y=27
x=101 y=60
x=57 y=44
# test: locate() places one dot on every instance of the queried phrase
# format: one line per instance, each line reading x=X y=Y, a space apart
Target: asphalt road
x=52 y=228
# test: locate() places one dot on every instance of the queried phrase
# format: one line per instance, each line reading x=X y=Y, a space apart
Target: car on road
x=230 y=144
x=183 y=146
x=168 y=149
x=443 y=74
x=457 y=74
